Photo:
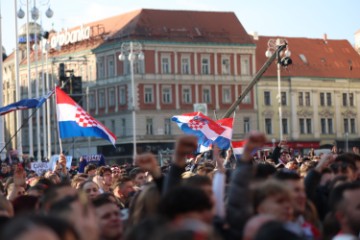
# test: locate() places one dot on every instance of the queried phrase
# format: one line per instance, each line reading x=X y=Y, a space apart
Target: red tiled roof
x=324 y=59
x=185 y=26
x=161 y=25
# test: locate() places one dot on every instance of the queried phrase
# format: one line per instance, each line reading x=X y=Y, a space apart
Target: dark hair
x=274 y=230
x=51 y=193
x=20 y=225
x=135 y=171
x=121 y=182
x=286 y=174
x=184 y=199
x=264 y=170
x=25 y=204
x=197 y=181
x=101 y=200
x=337 y=194
x=103 y=169
x=89 y=167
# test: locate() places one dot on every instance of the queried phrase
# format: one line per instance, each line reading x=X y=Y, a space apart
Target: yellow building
x=320 y=92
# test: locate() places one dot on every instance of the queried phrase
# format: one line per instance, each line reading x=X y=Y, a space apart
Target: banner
x=40 y=167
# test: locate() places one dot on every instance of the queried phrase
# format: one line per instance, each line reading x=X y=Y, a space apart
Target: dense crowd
x=197 y=197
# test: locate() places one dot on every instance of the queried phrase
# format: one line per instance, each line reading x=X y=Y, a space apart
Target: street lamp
x=35 y=13
x=133 y=51
x=278 y=46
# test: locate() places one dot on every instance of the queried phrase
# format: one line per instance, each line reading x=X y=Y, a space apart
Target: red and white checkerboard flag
x=76 y=122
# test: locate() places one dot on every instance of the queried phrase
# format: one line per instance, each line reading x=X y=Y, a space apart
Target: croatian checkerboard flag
x=75 y=122
x=224 y=139
x=196 y=123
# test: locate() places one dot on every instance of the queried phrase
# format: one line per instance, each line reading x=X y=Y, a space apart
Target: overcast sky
x=305 y=18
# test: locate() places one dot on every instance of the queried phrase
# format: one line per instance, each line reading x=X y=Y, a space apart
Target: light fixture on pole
x=35 y=14
x=133 y=52
x=278 y=46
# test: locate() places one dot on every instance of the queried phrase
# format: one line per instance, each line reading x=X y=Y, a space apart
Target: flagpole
x=48 y=102
x=2 y=126
x=17 y=87
x=58 y=126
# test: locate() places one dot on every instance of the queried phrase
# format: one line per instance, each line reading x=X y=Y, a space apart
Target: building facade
x=319 y=96
x=190 y=57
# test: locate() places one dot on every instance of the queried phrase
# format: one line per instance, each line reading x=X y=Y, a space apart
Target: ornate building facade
x=190 y=57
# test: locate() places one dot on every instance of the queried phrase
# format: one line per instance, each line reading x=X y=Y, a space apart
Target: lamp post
x=35 y=16
x=277 y=46
x=133 y=51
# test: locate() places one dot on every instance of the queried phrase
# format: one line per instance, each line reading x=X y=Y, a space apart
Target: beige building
x=320 y=92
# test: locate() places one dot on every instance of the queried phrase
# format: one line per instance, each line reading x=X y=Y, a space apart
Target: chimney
x=255 y=36
x=325 y=38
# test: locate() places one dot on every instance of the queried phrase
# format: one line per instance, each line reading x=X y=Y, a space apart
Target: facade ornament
x=305 y=113
x=349 y=113
x=326 y=113
x=268 y=113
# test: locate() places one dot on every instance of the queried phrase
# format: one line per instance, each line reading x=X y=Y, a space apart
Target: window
x=285 y=129
x=225 y=66
x=301 y=99
x=326 y=126
x=302 y=126
x=352 y=126
x=247 y=99
x=344 y=99
x=323 y=125
x=122 y=96
x=268 y=127
x=307 y=98
x=322 y=99
x=308 y=126
x=348 y=99
x=245 y=65
x=123 y=126
x=139 y=66
x=226 y=95
x=167 y=126
x=111 y=66
x=166 y=95
x=346 y=125
x=330 y=126
x=206 y=95
x=111 y=97
x=283 y=99
x=246 y=125
x=305 y=125
x=113 y=126
x=100 y=65
x=267 y=100
x=165 y=65
x=205 y=66
x=351 y=99
x=349 y=125
x=101 y=94
x=149 y=126
x=185 y=65
x=92 y=103
x=148 y=95
x=186 y=95
x=328 y=99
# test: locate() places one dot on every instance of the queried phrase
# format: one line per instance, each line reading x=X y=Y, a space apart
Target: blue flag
x=25 y=104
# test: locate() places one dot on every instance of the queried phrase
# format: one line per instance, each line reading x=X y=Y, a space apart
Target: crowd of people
x=196 y=197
